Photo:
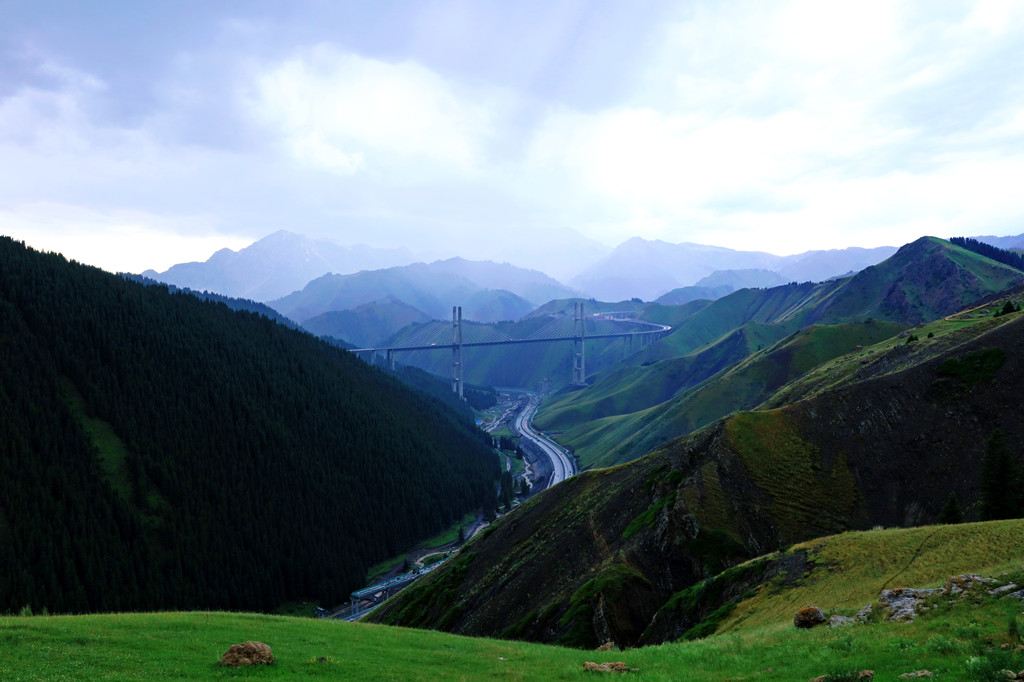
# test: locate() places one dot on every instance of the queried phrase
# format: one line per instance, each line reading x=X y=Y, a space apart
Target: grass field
x=189 y=646
x=968 y=639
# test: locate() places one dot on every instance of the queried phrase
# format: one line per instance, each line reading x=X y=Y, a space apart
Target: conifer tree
x=950 y=512
x=999 y=492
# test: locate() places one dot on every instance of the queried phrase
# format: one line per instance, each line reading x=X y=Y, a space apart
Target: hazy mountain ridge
x=487 y=292
x=650 y=269
x=368 y=324
x=277 y=265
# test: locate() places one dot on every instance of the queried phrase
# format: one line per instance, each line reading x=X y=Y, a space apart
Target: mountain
x=560 y=252
x=492 y=290
x=277 y=265
x=720 y=283
x=621 y=554
x=1010 y=242
x=158 y=451
x=649 y=269
x=817 y=266
x=366 y=325
x=532 y=285
x=701 y=371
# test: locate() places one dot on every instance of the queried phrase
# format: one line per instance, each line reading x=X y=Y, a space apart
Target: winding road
x=562 y=464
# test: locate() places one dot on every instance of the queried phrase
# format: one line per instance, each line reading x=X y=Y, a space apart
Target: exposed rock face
x=838 y=621
x=809 y=617
x=247 y=653
x=902 y=602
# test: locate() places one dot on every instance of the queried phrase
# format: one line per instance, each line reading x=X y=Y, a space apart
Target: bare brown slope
x=595 y=557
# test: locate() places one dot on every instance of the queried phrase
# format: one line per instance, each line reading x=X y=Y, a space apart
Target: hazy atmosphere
x=138 y=135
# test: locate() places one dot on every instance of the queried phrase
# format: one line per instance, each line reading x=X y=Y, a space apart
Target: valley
x=668 y=447
x=447 y=340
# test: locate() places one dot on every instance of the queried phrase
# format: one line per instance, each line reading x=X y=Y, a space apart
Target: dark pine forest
x=159 y=451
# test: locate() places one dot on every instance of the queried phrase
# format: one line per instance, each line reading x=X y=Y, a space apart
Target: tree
x=951 y=510
x=999 y=490
x=1007 y=308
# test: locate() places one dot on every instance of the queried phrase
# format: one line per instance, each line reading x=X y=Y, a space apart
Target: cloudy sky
x=136 y=135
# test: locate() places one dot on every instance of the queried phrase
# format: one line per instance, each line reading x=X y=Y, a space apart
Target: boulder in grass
x=838 y=621
x=809 y=617
x=247 y=653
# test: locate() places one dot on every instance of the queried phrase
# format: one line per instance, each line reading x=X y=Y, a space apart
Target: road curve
x=562 y=464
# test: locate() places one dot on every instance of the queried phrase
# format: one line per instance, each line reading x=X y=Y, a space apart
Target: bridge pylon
x=579 y=335
x=457 y=351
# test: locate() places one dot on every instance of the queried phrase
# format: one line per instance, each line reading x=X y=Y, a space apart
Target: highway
x=562 y=464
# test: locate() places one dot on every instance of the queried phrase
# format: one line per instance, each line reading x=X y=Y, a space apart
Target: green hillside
x=742 y=384
x=723 y=356
x=599 y=555
x=159 y=451
x=367 y=325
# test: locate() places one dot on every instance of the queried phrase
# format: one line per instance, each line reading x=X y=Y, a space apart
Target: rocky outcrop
x=903 y=603
x=809 y=617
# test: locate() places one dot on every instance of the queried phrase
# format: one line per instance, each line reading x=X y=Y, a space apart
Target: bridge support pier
x=457 y=351
x=391 y=359
x=579 y=335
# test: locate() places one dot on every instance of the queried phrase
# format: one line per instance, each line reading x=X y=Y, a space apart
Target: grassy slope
x=672 y=387
x=757 y=641
x=851 y=569
x=601 y=436
x=636 y=388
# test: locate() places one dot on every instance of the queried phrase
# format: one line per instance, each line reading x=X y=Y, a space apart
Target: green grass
x=755 y=639
x=850 y=569
x=953 y=643
x=111 y=449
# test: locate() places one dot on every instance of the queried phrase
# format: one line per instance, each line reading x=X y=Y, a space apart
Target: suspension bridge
x=440 y=335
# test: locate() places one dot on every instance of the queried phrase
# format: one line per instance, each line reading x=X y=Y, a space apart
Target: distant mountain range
x=648 y=269
x=307 y=277
x=487 y=292
x=277 y=265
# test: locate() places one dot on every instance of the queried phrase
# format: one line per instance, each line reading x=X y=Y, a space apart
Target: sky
x=137 y=135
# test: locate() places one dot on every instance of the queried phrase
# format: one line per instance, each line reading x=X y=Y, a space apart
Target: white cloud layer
x=345 y=113
x=777 y=126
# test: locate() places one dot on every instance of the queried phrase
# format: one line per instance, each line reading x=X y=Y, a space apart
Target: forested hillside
x=158 y=451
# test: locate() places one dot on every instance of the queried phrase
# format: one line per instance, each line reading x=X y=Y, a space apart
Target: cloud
x=807 y=124
x=346 y=113
x=784 y=126
x=116 y=241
